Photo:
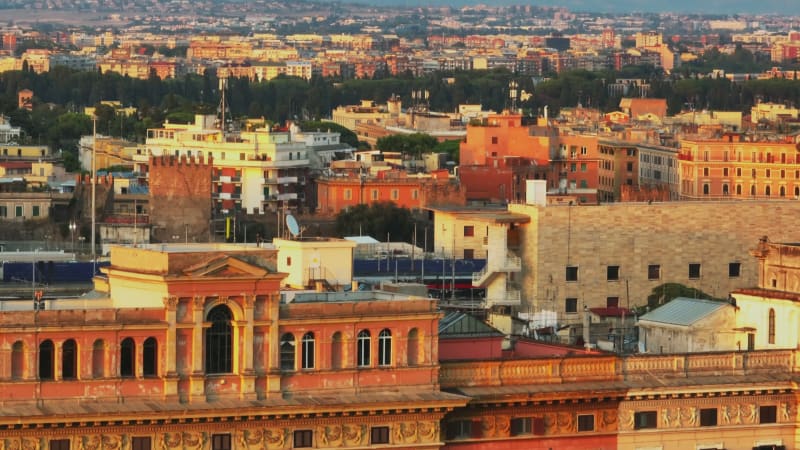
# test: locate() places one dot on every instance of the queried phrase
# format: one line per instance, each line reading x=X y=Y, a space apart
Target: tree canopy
x=413 y=145
x=377 y=220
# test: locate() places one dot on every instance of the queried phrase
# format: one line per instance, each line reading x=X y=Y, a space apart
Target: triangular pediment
x=225 y=266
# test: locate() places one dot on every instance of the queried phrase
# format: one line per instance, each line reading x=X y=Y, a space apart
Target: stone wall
x=180 y=199
x=635 y=235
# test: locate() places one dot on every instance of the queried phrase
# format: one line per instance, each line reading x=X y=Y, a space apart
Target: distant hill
x=721 y=7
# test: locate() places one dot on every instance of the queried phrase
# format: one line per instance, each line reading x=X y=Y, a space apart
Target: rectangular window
x=612 y=273
x=221 y=441
x=494 y=139
x=708 y=417
x=654 y=272
x=469 y=231
x=59 y=444
x=19 y=211
x=395 y=194
x=303 y=438
x=645 y=419
x=612 y=302
x=724 y=171
x=584 y=167
x=414 y=194
x=459 y=429
x=767 y=414
x=572 y=273
x=3 y=211
x=571 y=305
x=469 y=253
x=379 y=435
x=141 y=443
x=35 y=211
x=573 y=167
x=734 y=269
x=348 y=194
x=585 y=422
x=521 y=425
x=694 y=271
x=375 y=194
x=630 y=167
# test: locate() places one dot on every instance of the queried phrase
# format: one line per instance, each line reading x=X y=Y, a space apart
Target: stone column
x=197 y=377
x=246 y=373
x=169 y=347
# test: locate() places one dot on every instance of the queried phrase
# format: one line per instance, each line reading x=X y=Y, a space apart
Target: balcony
x=511 y=263
x=513 y=297
x=685 y=157
x=287 y=180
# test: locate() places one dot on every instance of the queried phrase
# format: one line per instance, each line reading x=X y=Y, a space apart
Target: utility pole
x=94 y=180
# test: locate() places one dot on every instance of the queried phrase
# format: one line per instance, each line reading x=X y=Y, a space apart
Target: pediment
x=225 y=266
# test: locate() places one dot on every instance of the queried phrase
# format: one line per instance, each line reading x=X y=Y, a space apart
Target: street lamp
x=72 y=227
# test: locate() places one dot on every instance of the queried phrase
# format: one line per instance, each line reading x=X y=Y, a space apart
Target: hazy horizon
x=717 y=7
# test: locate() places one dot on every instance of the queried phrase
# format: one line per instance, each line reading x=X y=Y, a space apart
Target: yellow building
x=735 y=167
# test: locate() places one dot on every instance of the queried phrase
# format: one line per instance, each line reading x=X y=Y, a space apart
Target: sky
x=723 y=7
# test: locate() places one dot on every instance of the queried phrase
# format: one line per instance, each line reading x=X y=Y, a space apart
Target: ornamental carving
x=405 y=432
x=251 y=439
x=608 y=420
x=503 y=426
x=354 y=434
x=171 y=303
x=329 y=435
x=689 y=417
x=626 y=419
x=170 y=440
x=193 y=440
x=429 y=430
x=90 y=442
x=787 y=412
x=275 y=438
x=488 y=426
x=112 y=442
x=565 y=422
x=30 y=443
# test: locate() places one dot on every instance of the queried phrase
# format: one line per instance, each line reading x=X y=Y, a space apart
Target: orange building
x=503 y=135
x=739 y=168
x=350 y=188
x=192 y=347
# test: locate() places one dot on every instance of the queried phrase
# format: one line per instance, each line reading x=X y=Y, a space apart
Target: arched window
x=69 y=360
x=725 y=189
x=219 y=342
x=336 y=351
x=18 y=360
x=127 y=358
x=308 y=351
x=705 y=189
x=385 y=348
x=150 y=357
x=753 y=190
x=413 y=347
x=771 y=327
x=797 y=191
x=46 y=355
x=783 y=191
x=767 y=191
x=99 y=359
x=363 y=348
x=738 y=189
x=287 y=351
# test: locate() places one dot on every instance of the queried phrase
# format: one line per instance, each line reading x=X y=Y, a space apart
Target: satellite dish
x=291 y=224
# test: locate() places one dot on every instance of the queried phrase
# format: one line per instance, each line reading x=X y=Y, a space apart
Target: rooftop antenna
x=294 y=227
x=223 y=85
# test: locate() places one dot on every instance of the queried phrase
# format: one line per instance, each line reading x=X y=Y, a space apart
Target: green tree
x=413 y=145
x=451 y=147
x=377 y=220
x=667 y=292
